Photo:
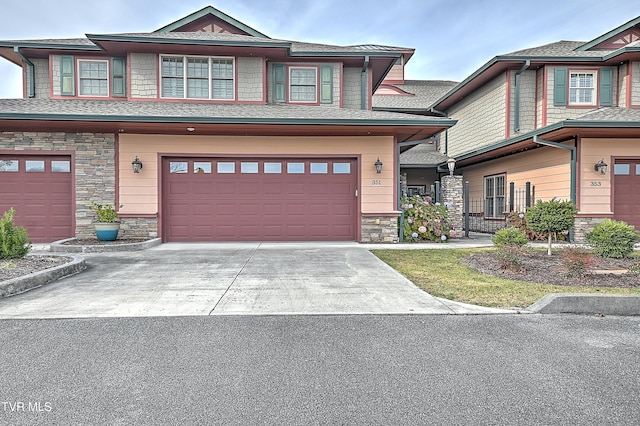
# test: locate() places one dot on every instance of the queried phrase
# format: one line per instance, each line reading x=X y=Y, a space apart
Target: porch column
x=452 y=188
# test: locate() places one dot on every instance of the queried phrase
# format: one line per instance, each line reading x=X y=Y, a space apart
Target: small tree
x=551 y=216
x=14 y=241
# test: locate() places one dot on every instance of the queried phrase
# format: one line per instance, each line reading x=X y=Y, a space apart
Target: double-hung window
x=303 y=84
x=582 y=88
x=197 y=78
x=93 y=77
x=494 y=196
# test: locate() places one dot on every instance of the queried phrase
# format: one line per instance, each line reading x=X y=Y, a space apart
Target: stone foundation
x=379 y=229
x=584 y=225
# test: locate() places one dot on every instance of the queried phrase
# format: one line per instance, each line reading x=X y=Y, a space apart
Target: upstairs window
x=582 y=88
x=197 y=78
x=93 y=78
x=303 y=84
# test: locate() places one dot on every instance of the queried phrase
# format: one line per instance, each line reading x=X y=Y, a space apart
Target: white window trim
x=315 y=94
x=210 y=78
x=594 y=98
x=494 y=196
x=80 y=78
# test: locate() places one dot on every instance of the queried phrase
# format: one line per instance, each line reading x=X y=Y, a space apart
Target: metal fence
x=489 y=215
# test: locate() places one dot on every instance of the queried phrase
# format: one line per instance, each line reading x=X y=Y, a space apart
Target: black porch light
x=136 y=164
x=601 y=167
x=378 y=165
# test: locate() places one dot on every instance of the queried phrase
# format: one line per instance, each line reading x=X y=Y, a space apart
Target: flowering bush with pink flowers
x=425 y=220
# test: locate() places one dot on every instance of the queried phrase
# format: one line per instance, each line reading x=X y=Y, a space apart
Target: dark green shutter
x=67 y=86
x=279 y=83
x=326 y=84
x=560 y=87
x=606 y=87
x=118 y=85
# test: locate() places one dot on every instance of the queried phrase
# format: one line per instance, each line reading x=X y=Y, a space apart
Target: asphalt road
x=306 y=370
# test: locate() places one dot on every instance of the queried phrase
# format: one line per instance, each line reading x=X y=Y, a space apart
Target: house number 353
x=376 y=182
x=596 y=183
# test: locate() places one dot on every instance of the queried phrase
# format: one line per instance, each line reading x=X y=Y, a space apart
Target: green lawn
x=440 y=273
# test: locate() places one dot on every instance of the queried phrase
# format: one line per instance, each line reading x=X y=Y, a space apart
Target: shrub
x=511 y=236
x=425 y=220
x=105 y=213
x=14 y=241
x=577 y=261
x=511 y=257
x=550 y=217
x=613 y=238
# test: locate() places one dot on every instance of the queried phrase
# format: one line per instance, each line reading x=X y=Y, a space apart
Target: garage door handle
x=356 y=192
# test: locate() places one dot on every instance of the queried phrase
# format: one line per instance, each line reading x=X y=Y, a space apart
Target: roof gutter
x=363 y=83
x=516 y=112
x=32 y=72
x=572 y=149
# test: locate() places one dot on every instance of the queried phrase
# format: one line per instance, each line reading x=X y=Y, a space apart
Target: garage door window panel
x=295 y=168
x=9 y=166
x=178 y=167
x=249 y=167
x=622 y=169
x=272 y=168
x=341 y=168
x=200 y=167
x=34 y=166
x=319 y=168
x=226 y=167
x=61 y=166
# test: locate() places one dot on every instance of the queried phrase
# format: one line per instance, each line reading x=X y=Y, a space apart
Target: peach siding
x=138 y=193
x=595 y=197
x=547 y=169
x=396 y=73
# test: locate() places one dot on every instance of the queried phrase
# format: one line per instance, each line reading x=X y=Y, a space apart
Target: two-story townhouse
x=562 y=117
x=204 y=130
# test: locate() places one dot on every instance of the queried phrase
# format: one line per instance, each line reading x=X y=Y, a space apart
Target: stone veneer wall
x=583 y=225
x=138 y=227
x=94 y=166
x=379 y=229
x=452 y=193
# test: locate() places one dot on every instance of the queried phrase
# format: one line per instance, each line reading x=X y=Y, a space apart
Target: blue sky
x=452 y=38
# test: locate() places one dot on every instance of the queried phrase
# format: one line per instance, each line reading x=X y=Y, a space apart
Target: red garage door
x=39 y=188
x=212 y=199
x=626 y=195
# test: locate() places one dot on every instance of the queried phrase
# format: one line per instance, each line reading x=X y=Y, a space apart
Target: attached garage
x=39 y=189
x=259 y=199
x=626 y=195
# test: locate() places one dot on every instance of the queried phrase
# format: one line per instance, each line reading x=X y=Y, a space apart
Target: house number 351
x=376 y=182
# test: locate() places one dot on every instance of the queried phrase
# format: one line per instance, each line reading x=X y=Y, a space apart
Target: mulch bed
x=537 y=267
x=14 y=268
x=96 y=242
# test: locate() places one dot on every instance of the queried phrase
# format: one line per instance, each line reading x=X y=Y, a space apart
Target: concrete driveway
x=232 y=278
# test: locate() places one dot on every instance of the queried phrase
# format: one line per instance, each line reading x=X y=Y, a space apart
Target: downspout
x=574 y=166
x=399 y=177
x=516 y=107
x=363 y=83
x=32 y=72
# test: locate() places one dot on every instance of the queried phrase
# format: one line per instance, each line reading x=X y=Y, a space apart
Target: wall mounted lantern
x=137 y=165
x=601 y=167
x=378 y=165
x=451 y=164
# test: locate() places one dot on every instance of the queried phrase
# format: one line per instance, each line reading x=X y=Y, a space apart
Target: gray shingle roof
x=208 y=112
x=611 y=114
x=422 y=94
x=424 y=154
x=201 y=37
x=561 y=48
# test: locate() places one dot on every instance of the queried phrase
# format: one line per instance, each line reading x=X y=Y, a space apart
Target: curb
x=37 y=279
x=581 y=303
x=60 y=247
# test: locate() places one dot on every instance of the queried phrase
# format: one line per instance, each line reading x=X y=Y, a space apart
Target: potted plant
x=106 y=223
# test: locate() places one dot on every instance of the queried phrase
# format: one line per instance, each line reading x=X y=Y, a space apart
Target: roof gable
x=616 y=38
x=210 y=19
